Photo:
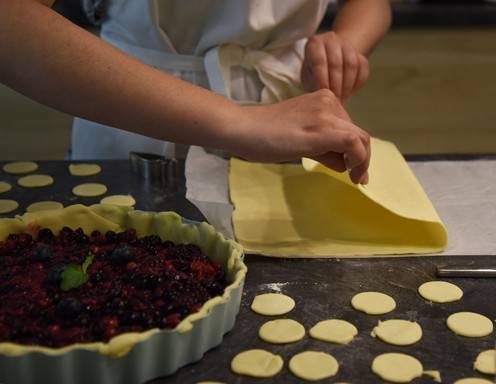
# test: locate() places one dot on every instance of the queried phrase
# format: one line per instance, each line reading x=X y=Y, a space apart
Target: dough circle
x=5 y=187
x=44 y=206
x=19 y=167
x=470 y=324
x=334 y=331
x=257 y=363
x=473 y=380
x=398 y=332
x=397 y=367
x=373 y=303
x=7 y=206
x=313 y=365
x=440 y=291
x=281 y=331
x=35 y=181
x=84 y=169
x=272 y=304
x=89 y=190
x=486 y=362
x=120 y=200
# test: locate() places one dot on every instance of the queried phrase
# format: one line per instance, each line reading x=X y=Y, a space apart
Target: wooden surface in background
x=430 y=91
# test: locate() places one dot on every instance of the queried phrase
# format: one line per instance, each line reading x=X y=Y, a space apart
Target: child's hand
x=313 y=125
x=333 y=63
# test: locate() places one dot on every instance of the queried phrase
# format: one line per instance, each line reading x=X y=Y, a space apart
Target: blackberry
x=96 y=233
x=69 y=308
x=111 y=237
x=54 y=274
x=42 y=253
x=45 y=234
x=121 y=255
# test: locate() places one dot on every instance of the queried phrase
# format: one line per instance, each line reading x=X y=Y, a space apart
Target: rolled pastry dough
x=5 y=187
x=44 y=206
x=272 y=304
x=35 y=181
x=257 y=363
x=334 y=331
x=473 y=380
x=486 y=362
x=281 y=331
x=120 y=200
x=84 y=169
x=313 y=365
x=89 y=190
x=398 y=332
x=440 y=291
x=7 y=206
x=397 y=367
x=373 y=303
x=19 y=167
x=470 y=324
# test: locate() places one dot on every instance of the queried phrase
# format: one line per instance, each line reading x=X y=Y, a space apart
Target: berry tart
x=107 y=294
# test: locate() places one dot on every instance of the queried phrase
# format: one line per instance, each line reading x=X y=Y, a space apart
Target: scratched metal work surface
x=321 y=288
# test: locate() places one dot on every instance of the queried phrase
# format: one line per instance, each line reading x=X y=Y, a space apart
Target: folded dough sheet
x=310 y=210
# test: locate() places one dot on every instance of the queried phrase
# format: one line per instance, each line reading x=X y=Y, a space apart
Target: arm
x=55 y=62
x=337 y=60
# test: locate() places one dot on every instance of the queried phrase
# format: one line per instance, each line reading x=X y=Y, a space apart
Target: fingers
x=334 y=56
x=315 y=74
x=332 y=160
x=351 y=65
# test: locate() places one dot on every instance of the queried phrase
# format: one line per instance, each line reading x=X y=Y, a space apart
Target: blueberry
x=54 y=274
x=121 y=255
x=45 y=234
x=69 y=307
x=42 y=253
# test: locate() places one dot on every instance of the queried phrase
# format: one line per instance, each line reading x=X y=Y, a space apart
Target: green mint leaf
x=75 y=275
x=87 y=262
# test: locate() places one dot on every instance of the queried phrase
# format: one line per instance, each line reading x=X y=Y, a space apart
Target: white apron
x=249 y=51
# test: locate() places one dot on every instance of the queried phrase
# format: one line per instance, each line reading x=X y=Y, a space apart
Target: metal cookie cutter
x=155 y=170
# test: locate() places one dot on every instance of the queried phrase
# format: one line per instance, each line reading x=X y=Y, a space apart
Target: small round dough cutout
x=89 y=190
x=397 y=367
x=7 y=206
x=334 y=331
x=5 y=187
x=44 y=206
x=473 y=380
x=470 y=324
x=486 y=362
x=373 y=303
x=272 y=304
x=84 y=169
x=20 y=167
x=120 y=200
x=281 y=331
x=398 y=332
x=35 y=181
x=257 y=363
x=313 y=365
x=440 y=291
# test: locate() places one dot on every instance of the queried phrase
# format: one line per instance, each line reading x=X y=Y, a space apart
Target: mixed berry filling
x=57 y=290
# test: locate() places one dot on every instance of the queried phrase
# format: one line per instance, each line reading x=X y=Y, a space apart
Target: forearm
x=61 y=65
x=363 y=23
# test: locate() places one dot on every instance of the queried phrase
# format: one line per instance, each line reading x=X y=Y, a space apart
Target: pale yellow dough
x=210 y=382
x=486 y=362
x=84 y=169
x=120 y=200
x=334 y=331
x=398 y=332
x=373 y=303
x=5 y=187
x=19 y=167
x=440 y=291
x=35 y=181
x=397 y=367
x=281 y=331
x=473 y=380
x=272 y=304
x=470 y=324
x=44 y=206
x=257 y=363
x=7 y=206
x=313 y=365
x=89 y=190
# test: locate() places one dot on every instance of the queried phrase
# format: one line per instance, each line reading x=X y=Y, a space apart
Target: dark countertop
x=322 y=288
